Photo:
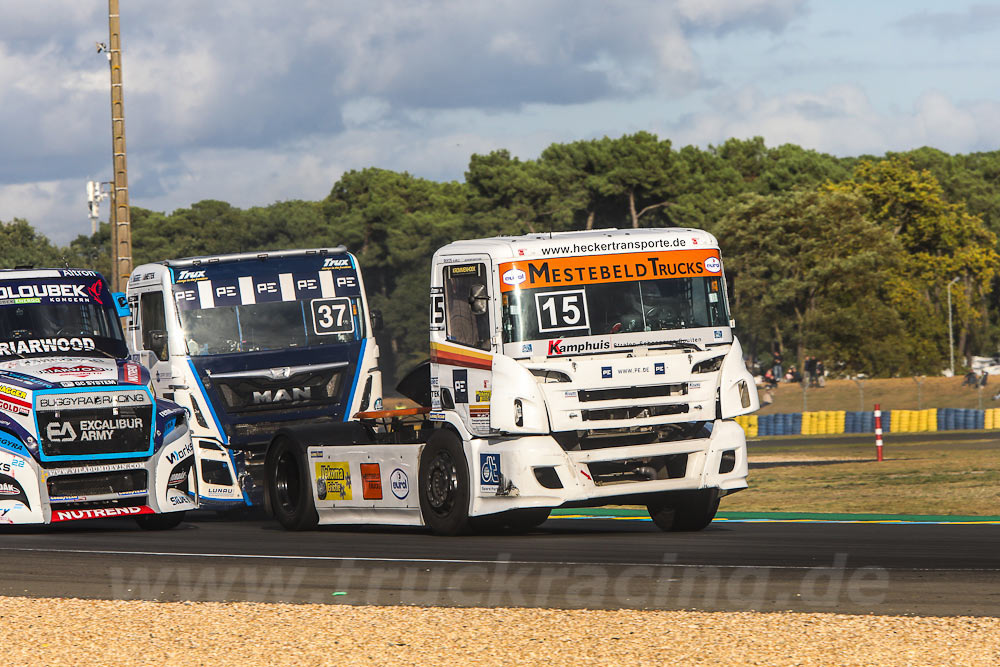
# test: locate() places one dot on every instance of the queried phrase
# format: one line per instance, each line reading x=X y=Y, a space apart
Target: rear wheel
x=288 y=487
x=160 y=521
x=444 y=485
x=684 y=510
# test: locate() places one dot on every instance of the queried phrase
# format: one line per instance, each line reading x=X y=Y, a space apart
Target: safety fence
x=823 y=422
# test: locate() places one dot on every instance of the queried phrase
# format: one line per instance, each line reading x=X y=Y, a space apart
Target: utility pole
x=121 y=222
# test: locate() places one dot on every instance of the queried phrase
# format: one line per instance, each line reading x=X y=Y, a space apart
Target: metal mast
x=121 y=222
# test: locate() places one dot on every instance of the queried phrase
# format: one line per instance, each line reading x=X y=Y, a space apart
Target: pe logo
x=605 y=372
x=659 y=369
x=718 y=333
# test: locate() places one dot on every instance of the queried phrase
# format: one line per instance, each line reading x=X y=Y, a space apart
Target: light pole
x=951 y=338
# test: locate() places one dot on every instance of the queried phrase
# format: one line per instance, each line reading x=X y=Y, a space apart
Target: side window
x=466 y=305
x=153 y=324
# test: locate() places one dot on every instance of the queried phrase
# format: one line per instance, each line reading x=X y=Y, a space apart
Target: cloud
x=949 y=26
x=841 y=120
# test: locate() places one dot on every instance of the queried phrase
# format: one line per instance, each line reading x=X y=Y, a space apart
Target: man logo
x=60 y=432
x=290 y=395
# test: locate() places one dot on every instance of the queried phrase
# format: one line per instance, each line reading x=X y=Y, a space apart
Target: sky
x=255 y=101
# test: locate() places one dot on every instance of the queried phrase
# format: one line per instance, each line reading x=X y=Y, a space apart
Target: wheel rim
x=286 y=481
x=442 y=483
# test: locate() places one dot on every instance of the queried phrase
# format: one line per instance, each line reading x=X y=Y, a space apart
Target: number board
x=332 y=316
x=558 y=311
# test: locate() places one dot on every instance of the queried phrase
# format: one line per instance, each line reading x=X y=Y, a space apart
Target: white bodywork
x=522 y=408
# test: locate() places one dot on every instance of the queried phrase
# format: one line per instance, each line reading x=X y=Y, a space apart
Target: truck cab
x=81 y=434
x=252 y=343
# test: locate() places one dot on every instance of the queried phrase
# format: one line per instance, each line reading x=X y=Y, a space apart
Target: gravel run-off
x=106 y=632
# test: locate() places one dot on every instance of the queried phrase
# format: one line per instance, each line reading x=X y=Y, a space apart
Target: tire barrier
x=824 y=422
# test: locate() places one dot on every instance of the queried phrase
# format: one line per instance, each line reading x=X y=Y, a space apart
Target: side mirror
x=376 y=317
x=478 y=299
x=158 y=343
x=121 y=304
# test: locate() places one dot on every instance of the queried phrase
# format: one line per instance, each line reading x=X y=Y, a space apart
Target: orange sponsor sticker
x=592 y=269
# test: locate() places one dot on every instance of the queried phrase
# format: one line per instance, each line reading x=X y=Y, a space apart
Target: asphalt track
x=743 y=562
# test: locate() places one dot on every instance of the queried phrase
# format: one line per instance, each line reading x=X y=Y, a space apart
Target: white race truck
x=250 y=343
x=81 y=435
x=567 y=370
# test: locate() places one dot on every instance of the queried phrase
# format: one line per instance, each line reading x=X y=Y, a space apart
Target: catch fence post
x=878 y=433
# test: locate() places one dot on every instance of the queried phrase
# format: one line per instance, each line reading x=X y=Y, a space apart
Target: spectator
x=769 y=381
x=793 y=375
x=777 y=367
x=983 y=378
x=970 y=379
x=820 y=373
x=810 y=368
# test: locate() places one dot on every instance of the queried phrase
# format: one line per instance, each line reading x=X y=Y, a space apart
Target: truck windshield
x=610 y=308
x=272 y=326
x=45 y=328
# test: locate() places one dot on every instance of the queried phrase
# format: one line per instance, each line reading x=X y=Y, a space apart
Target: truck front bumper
x=535 y=471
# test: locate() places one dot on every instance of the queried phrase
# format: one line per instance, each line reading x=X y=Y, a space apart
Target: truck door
x=153 y=337
x=464 y=360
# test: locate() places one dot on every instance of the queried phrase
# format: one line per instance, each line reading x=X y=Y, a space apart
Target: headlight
x=708 y=365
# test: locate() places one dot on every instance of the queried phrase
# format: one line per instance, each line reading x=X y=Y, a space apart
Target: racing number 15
x=332 y=316
x=566 y=309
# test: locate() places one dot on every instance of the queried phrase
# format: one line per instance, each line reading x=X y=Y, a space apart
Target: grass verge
x=936 y=478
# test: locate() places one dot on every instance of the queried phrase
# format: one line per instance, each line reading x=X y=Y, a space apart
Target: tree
x=21 y=245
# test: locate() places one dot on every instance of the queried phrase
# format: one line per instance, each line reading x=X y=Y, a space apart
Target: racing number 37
x=565 y=309
x=332 y=316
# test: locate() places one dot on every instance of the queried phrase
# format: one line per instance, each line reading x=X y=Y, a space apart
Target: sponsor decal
x=108 y=467
x=463 y=270
x=718 y=333
x=592 y=269
x=43 y=345
x=605 y=372
x=10 y=489
x=559 y=347
x=91 y=430
x=63 y=401
x=514 y=276
x=436 y=416
x=180 y=454
x=333 y=480
x=315 y=453
x=460 y=382
x=399 y=483
x=479 y=416
x=13 y=444
x=489 y=472
x=371 y=481
x=659 y=368
x=95 y=291
x=132 y=373
x=526 y=347
x=87 y=383
x=45 y=291
x=337 y=263
x=17 y=406
x=79 y=369
x=76 y=515
x=483 y=395
x=78 y=273
x=186 y=274
x=13 y=391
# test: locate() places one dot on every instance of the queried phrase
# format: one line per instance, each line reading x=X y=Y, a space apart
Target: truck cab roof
x=590 y=242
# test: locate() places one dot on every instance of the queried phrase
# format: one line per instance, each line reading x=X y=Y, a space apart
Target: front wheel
x=444 y=485
x=684 y=511
x=160 y=521
x=288 y=487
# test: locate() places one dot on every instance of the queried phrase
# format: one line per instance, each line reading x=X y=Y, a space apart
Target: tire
x=684 y=511
x=288 y=488
x=160 y=521
x=444 y=485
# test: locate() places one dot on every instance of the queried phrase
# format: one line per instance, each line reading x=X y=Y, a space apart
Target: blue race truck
x=252 y=343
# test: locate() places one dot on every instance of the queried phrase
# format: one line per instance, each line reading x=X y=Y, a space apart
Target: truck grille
x=95 y=484
x=256 y=394
x=81 y=433
x=679 y=389
x=634 y=412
